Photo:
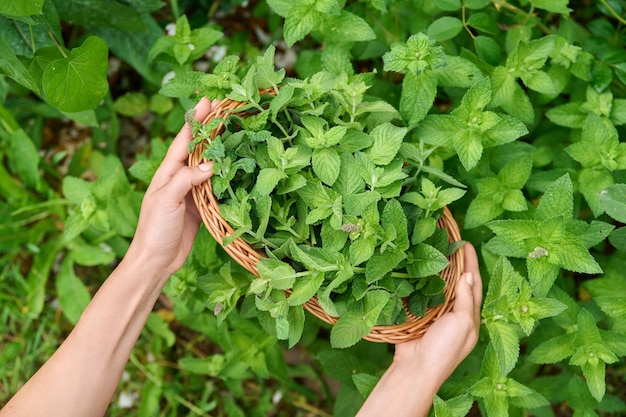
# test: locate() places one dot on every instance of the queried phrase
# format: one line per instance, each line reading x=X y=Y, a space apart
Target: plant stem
x=613 y=12
x=465 y=21
x=56 y=43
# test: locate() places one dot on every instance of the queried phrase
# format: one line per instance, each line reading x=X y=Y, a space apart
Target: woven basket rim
x=243 y=253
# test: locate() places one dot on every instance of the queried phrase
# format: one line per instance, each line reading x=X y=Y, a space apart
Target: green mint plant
x=317 y=177
x=550 y=239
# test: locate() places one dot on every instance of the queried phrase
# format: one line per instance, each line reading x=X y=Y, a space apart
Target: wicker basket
x=413 y=328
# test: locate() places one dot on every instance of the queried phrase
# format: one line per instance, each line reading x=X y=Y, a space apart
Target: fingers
x=178 y=152
x=180 y=184
x=469 y=289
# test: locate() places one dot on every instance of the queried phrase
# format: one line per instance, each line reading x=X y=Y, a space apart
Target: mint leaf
x=346 y=27
x=279 y=274
x=353 y=326
x=382 y=263
x=414 y=56
x=613 y=200
x=418 y=95
x=444 y=28
x=555 y=6
x=326 y=164
x=267 y=180
x=304 y=288
x=554 y=350
x=425 y=260
x=558 y=200
x=300 y=20
x=387 y=141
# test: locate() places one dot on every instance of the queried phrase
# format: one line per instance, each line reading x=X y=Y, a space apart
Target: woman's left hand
x=169 y=221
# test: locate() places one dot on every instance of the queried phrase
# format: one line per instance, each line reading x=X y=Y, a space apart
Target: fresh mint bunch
x=337 y=194
x=550 y=239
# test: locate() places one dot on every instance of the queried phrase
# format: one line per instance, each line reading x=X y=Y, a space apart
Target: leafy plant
x=323 y=178
x=521 y=101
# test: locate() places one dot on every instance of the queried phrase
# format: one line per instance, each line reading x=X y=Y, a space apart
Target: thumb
x=464 y=294
x=180 y=184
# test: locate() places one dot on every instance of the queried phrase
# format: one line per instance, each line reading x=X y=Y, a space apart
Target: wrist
x=420 y=370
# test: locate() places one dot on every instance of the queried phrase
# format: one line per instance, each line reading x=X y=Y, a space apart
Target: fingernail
x=469 y=278
x=206 y=166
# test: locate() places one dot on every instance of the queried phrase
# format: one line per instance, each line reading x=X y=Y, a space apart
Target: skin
x=81 y=377
x=421 y=366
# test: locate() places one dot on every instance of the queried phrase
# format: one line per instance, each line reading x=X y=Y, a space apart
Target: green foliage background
x=521 y=102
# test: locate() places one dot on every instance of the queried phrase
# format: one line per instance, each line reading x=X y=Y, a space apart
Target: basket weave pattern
x=239 y=250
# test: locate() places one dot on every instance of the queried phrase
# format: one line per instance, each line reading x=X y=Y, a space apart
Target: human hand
x=421 y=366
x=453 y=336
x=169 y=221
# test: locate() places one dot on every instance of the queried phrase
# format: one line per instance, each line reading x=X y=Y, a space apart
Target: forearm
x=81 y=377
x=403 y=391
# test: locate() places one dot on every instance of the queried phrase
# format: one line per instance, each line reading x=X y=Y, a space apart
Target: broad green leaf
x=14 y=68
x=417 y=97
x=618 y=239
x=336 y=59
x=24 y=158
x=346 y=27
x=482 y=22
x=304 y=288
x=296 y=320
x=558 y=200
x=502 y=85
x=444 y=28
x=539 y=81
x=387 y=141
x=519 y=105
x=481 y=210
x=506 y=344
x=268 y=179
x=21 y=8
x=515 y=173
x=478 y=96
x=438 y=129
x=160 y=328
x=393 y=215
x=315 y=259
x=554 y=350
x=78 y=82
x=73 y=294
x=300 y=20
x=507 y=130
x=487 y=49
x=365 y=383
x=100 y=13
x=458 y=72
x=279 y=274
x=424 y=260
x=595 y=375
x=555 y=6
x=591 y=184
x=266 y=76
x=613 y=200
x=467 y=144
x=381 y=264
x=353 y=326
x=568 y=115
x=454 y=407
x=449 y=5
x=326 y=165
x=348 y=181
x=612 y=305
